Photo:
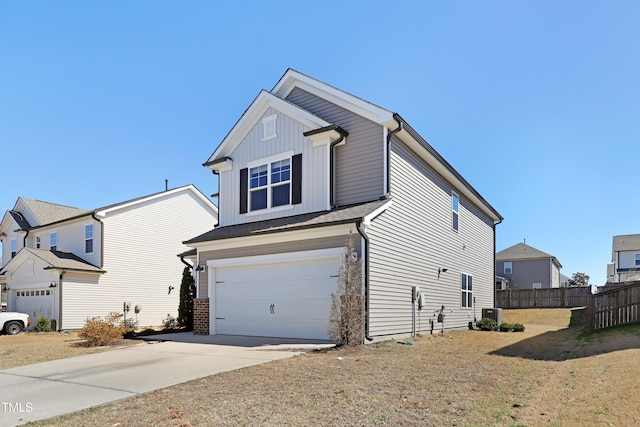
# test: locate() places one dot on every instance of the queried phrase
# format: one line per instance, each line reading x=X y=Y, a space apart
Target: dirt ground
x=552 y=374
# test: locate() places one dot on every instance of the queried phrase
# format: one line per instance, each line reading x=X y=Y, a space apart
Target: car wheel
x=13 y=328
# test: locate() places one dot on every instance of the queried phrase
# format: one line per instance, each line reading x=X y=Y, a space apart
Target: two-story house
x=625 y=259
x=525 y=267
x=69 y=264
x=305 y=165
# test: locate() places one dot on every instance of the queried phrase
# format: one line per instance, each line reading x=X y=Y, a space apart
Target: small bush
x=43 y=324
x=487 y=324
x=505 y=327
x=170 y=322
x=518 y=327
x=99 y=332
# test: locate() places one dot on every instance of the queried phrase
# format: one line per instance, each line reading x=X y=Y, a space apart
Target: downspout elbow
x=332 y=167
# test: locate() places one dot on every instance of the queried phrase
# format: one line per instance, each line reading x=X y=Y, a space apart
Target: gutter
x=366 y=279
x=93 y=215
x=495 y=224
x=388 y=148
x=343 y=134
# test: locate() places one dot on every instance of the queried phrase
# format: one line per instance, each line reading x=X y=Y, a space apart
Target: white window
x=269 y=127
x=88 y=238
x=467 y=291
x=537 y=286
x=53 y=241
x=508 y=268
x=637 y=259
x=14 y=247
x=38 y=242
x=454 y=210
x=270 y=184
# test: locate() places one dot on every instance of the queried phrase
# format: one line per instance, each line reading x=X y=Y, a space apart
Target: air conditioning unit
x=493 y=313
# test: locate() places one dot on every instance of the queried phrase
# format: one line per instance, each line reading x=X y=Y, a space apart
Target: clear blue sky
x=535 y=103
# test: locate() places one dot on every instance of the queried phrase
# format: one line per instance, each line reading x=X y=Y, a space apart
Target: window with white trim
x=270 y=185
x=14 y=247
x=88 y=238
x=455 y=200
x=38 y=242
x=467 y=290
x=53 y=241
x=537 y=286
x=637 y=259
x=269 y=127
x=508 y=268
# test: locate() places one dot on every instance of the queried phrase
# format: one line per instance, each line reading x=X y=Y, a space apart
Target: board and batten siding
x=274 y=248
x=359 y=164
x=141 y=244
x=289 y=139
x=413 y=239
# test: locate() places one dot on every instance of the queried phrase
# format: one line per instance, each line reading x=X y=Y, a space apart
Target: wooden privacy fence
x=617 y=306
x=543 y=298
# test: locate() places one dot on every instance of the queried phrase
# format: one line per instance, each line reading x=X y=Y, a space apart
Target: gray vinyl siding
x=527 y=272
x=413 y=238
x=359 y=164
x=289 y=138
x=275 y=248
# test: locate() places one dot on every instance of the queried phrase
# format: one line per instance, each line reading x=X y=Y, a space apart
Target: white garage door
x=34 y=302
x=289 y=299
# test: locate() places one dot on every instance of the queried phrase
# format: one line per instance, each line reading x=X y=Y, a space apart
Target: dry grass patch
x=33 y=347
x=548 y=375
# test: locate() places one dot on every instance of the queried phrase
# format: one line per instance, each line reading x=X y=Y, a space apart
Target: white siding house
x=288 y=198
x=102 y=258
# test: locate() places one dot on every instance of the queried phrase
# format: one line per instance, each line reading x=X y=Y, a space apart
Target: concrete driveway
x=48 y=389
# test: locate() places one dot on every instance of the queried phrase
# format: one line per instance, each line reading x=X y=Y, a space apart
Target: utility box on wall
x=493 y=313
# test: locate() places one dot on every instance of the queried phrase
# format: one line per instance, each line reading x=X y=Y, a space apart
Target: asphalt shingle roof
x=48 y=213
x=522 y=251
x=64 y=260
x=340 y=215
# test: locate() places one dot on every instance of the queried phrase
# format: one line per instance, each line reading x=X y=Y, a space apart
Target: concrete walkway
x=49 y=389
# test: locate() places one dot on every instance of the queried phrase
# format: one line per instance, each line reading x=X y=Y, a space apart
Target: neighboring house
x=70 y=264
x=625 y=258
x=305 y=165
x=525 y=267
x=564 y=281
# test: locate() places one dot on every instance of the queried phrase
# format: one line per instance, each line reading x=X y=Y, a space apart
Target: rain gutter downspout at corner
x=388 y=148
x=495 y=224
x=93 y=215
x=343 y=134
x=366 y=279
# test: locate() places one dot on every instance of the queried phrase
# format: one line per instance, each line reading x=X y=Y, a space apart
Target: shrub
x=170 y=322
x=43 y=324
x=107 y=331
x=505 y=327
x=487 y=324
x=518 y=327
x=187 y=293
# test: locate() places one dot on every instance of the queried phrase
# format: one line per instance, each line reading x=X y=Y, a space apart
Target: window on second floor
x=14 y=247
x=272 y=183
x=508 y=268
x=467 y=291
x=38 y=242
x=88 y=238
x=454 y=210
x=637 y=259
x=53 y=241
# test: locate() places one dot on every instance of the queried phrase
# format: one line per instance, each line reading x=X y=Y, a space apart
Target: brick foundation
x=201 y=316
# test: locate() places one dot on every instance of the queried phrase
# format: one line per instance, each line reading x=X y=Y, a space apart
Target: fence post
x=590 y=312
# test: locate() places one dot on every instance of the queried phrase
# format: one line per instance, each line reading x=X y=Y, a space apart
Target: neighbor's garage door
x=34 y=302
x=289 y=299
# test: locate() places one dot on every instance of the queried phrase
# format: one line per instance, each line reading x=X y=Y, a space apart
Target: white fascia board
x=190 y=187
x=443 y=171
x=272 y=238
x=256 y=110
x=293 y=79
x=326 y=138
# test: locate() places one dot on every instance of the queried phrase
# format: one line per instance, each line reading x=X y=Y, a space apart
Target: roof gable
x=521 y=251
x=39 y=213
x=56 y=260
x=252 y=115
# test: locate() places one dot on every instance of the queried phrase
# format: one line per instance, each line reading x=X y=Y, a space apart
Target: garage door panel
x=34 y=302
x=279 y=299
